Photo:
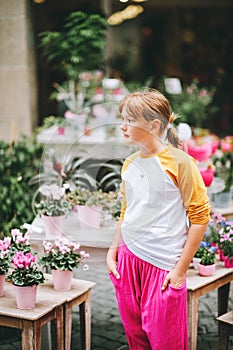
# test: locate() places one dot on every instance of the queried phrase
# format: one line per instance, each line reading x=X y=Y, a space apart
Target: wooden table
x=198 y=286
x=50 y=305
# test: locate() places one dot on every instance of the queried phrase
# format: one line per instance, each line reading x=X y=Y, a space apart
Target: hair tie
x=169 y=126
x=172 y=118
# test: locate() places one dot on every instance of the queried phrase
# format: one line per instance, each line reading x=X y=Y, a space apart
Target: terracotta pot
x=206 y=270
x=62 y=279
x=25 y=296
x=227 y=262
x=89 y=216
x=53 y=225
x=2 y=283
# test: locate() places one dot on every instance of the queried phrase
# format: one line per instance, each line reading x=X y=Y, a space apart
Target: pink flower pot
x=221 y=255
x=89 y=217
x=2 y=283
x=25 y=296
x=206 y=270
x=227 y=262
x=200 y=153
x=62 y=279
x=53 y=225
x=60 y=130
x=214 y=146
x=207 y=175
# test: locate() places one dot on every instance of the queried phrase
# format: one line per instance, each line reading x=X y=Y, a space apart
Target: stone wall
x=18 y=82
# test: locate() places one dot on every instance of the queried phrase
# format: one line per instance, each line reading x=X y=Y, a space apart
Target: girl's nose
x=123 y=126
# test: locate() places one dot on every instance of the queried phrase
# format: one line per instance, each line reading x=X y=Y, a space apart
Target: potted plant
x=90 y=206
x=226 y=242
x=25 y=276
x=206 y=266
x=199 y=253
x=52 y=207
x=60 y=122
x=4 y=261
x=79 y=47
x=224 y=169
x=193 y=103
x=62 y=257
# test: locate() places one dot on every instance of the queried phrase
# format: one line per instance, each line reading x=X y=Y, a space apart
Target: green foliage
x=52 y=120
x=79 y=46
x=193 y=104
x=208 y=256
x=224 y=169
x=52 y=201
x=26 y=277
x=83 y=196
x=4 y=265
x=206 y=253
x=19 y=162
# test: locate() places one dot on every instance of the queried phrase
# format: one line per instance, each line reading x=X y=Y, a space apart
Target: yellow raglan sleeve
x=193 y=192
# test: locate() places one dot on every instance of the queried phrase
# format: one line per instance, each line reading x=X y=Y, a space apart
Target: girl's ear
x=155 y=125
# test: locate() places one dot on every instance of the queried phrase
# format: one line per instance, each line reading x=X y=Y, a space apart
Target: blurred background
x=186 y=39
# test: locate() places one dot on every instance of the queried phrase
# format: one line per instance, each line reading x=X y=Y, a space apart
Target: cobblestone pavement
x=107 y=330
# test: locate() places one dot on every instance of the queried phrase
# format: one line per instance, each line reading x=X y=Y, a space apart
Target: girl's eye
x=128 y=120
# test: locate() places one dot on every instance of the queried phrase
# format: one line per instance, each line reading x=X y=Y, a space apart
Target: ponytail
x=172 y=135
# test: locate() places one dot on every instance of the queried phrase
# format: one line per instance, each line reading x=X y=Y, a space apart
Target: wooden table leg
x=85 y=323
x=59 y=321
x=193 y=309
x=31 y=335
x=67 y=325
x=223 y=297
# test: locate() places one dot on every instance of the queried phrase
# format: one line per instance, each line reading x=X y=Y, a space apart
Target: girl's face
x=136 y=130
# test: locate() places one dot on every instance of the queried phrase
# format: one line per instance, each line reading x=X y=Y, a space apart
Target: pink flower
x=5 y=243
x=203 y=93
x=69 y=115
x=22 y=261
x=47 y=246
x=15 y=232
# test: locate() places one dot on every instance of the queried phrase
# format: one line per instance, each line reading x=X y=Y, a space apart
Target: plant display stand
x=51 y=305
x=225 y=329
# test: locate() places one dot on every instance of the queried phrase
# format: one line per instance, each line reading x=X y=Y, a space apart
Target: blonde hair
x=152 y=104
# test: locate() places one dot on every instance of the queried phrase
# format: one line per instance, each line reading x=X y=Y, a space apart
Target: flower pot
x=2 y=283
x=60 y=130
x=207 y=175
x=89 y=216
x=196 y=262
x=53 y=225
x=200 y=153
x=206 y=270
x=62 y=279
x=25 y=296
x=221 y=255
x=228 y=262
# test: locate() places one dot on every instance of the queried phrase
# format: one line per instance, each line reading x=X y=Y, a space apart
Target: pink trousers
x=153 y=319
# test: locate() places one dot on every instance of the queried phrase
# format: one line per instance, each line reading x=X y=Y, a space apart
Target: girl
x=164 y=215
